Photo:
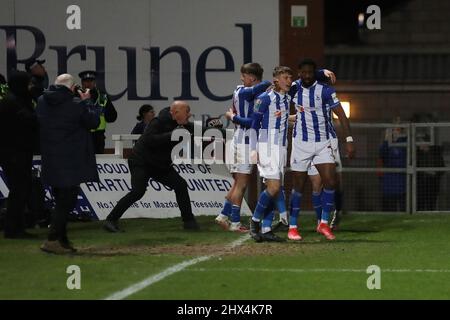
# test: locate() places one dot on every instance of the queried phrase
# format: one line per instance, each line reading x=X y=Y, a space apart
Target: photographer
x=68 y=157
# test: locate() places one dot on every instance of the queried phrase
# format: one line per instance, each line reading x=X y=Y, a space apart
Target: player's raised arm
x=345 y=123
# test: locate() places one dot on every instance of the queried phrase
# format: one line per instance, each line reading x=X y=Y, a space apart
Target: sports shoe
x=280 y=226
x=255 y=229
x=68 y=245
x=55 y=247
x=294 y=235
x=223 y=221
x=112 y=226
x=335 y=219
x=191 y=225
x=324 y=229
x=271 y=237
x=238 y=227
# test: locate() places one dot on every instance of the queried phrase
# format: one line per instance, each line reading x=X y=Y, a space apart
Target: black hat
x=31 y=64
x=87 y=75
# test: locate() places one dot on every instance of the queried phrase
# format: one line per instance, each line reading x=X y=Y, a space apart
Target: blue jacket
x=67 y=150
x=393 y=157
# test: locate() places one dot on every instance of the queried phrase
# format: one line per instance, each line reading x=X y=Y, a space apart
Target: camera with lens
x=79 y=88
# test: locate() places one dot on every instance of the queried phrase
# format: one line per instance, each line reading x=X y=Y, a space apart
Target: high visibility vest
x=3 y=90
x=101 y=101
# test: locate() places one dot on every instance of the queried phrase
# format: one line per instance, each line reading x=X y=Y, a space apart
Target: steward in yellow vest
x=101 y=99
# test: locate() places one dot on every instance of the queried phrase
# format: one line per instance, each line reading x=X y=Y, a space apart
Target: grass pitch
x=412 y=251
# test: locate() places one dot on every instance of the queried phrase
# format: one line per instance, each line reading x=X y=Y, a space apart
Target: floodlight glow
x=346 y=106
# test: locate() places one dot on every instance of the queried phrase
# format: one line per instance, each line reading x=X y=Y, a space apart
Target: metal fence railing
x=398 y=167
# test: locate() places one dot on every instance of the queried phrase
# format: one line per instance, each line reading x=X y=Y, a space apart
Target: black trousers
x=98 y=138
x=65 y=201
x=17 y=169
x=427 y=191
x=140 y=174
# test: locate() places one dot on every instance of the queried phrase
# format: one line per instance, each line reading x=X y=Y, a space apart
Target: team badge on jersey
x=258 y=103
x=300 y=109
x=335 y=98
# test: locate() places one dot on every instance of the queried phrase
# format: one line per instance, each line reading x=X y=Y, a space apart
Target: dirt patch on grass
x=247 y=249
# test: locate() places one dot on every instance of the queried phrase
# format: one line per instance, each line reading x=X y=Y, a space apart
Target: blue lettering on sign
x=63 y=54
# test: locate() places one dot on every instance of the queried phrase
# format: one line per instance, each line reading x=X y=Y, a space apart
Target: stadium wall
x=146 y=51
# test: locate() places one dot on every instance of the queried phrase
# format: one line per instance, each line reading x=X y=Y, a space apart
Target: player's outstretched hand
x=230 y=114
x=330 y=74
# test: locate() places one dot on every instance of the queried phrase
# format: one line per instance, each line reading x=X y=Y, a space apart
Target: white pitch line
x=316 y=270
x=122 y=294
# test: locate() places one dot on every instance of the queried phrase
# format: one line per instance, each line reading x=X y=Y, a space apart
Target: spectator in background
x=3 y=87
x=146 y=114
x=428 y=182
x=17 y=127
x=393 y=156
x=39 y=77
x=36 y=201
x=68 y=157
x=100 y=99
x=427 y=155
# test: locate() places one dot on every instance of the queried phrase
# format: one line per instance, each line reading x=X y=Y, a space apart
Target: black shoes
x=57 y=247
x=112 y=226
x=255 y=233
x=68 y=245
x=280 y=226
x=255 y=229
x=191 y=225
x=271 y=237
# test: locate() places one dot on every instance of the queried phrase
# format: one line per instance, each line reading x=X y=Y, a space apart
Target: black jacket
x=154 y=147
x=67 y=149
x=18 y=123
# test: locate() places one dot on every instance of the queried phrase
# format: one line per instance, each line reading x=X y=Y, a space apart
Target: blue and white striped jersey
x=313 y=122
x=270 y=118
x=243 y=102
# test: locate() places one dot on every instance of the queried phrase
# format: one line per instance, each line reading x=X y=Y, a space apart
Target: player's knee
x=298 y=186
x=273 y=190
x=330 y=184
x=316 y=187
x=241 y=187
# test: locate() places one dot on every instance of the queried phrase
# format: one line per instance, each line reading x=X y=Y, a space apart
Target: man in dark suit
x=68 y=157
x=151 y=158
